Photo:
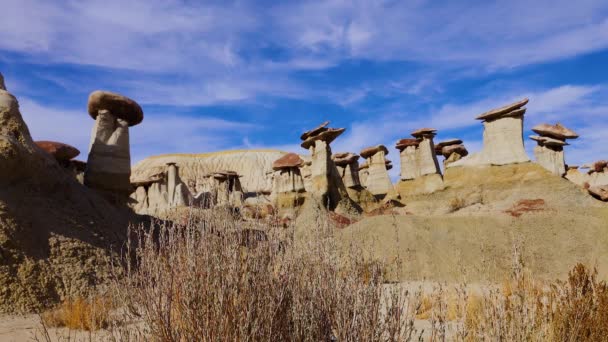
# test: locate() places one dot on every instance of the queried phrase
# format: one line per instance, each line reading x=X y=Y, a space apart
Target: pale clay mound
x=467 y=231
x=255 y=167
x=55 y=234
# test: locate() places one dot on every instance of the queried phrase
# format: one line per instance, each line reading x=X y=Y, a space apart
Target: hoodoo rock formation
x=452 y=150
x=287 y=184
x=551 y=140
x=326 y=184
x=348 y=168
x=109 y=164
x=224 y=189
x=2 y=86
x=377 y=181
x=502 y=137
x=55 y=234
x=65 y=154
x=420 y=172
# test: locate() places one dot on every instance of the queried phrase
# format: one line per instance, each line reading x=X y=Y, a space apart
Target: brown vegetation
x=526 y=205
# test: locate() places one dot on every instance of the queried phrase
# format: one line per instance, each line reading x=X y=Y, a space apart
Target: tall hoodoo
x=326 y=184
x=502 y=137
x=378 y=181
x=551 y=140
x=2 y=86
x=109 y=164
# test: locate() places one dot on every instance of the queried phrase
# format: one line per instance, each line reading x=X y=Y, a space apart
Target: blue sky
x=255 y=74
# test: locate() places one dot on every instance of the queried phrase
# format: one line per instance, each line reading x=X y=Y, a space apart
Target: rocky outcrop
x=55 y=234
x=254 y=167
x=288 y=185
x=348 y=168
x=109 y=163
x=224 y=189
x=377 y=180
x=2 y=86
x=502 y=137
x=551 y=140
x=599 y=192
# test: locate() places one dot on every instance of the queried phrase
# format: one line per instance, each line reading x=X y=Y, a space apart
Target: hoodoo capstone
x=109 y=164
x=452 y=150
x=502 y=137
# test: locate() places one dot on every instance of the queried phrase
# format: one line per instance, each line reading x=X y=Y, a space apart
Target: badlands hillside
x=63 y=220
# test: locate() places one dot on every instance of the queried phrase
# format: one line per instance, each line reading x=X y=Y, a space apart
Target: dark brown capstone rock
x=441 y=145
x=288 y=161
x=403 y=143
x=328 y=135
x=120 y=106
x=388 y=164
x=548 y=141
x=599 y=192
x=321 y=128
x=61 y=151
x=345 y=158
x=512 y=109
x=556 y=131
x=447 y=151
x=419 y=133
x=370 y=151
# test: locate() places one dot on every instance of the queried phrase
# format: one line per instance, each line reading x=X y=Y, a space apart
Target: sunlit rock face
x=502 y=138
x=549 y=152
x=378 y=181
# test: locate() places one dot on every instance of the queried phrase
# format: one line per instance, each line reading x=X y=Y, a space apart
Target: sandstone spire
x=2 y=86
x=418 y=157
x=109 y=164
x=551 y=140
x=348 y=168
x=378 y=181
x=326 y=184
x=502 y=137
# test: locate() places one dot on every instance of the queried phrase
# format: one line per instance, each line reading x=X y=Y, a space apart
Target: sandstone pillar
x=378 y=181
x=2 y=86
x=549 y=152
x=109 y=163
x=287 y=185
x=502 y=137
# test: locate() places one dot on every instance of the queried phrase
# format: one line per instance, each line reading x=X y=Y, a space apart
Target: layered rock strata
x=109 y=163
x=502 y=137
x=549 y=151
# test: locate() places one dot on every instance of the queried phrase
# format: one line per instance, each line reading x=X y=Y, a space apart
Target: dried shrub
x=457 y=203
x=80 y=314
x=201 y=282
x=582 y=310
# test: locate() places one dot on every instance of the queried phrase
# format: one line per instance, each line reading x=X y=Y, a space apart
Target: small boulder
x=599 y=192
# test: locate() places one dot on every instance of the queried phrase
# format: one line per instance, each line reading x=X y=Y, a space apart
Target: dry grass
x=80 y=314
x=200 y=282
